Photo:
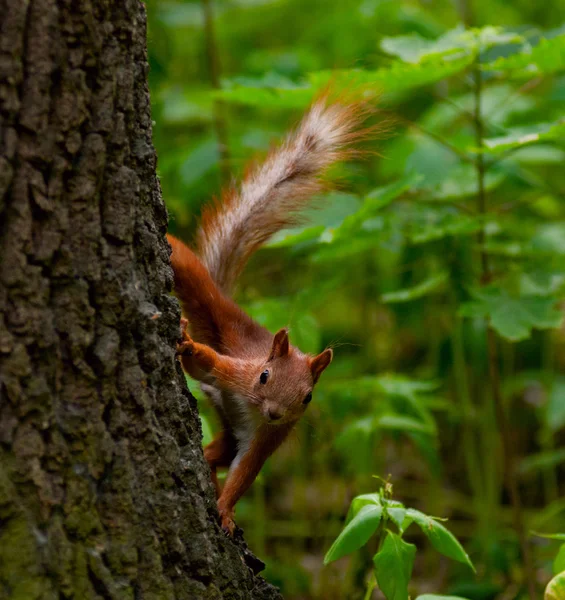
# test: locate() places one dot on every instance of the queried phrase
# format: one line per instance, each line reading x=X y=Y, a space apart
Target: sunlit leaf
x=269 y=91
x=428 y=286
x=359 y=501
x=551 y=536
x=293 y=238
x=414 y=48
x=331 y=212
x=393 y=566
x=398 y=77
x=555 y=589
x=405 y=424
x=517 y=137
x=356 y=533
x=545 y=58
x=440 y=537
x=438 y=597
x=550 y=238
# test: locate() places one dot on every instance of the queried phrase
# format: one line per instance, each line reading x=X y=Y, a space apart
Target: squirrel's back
x=272 y=193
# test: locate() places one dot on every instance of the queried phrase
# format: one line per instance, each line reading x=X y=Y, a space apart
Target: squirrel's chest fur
x=237 y=414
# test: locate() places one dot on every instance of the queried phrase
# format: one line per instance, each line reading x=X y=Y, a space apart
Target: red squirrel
x=259 y=384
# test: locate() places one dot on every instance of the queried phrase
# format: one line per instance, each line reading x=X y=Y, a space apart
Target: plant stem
x=481 y=171
x=372 y=584
x=550 y=480
x=509 y=465
x=220 y=124
x=468 y=412
x=509 y=458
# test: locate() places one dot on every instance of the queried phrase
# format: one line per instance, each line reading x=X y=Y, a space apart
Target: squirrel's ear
x=320 y=362
x=280 y=344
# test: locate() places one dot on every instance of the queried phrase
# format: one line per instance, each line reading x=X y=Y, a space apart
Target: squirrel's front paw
x=186 y=346
x=228 y=524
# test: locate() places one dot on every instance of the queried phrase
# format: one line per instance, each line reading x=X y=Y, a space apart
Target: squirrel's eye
x=308 y=399
x=264 y=376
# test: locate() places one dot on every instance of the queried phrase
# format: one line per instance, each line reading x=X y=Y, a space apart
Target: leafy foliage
x=394 y=559
x=513 y=317
x=545 y=58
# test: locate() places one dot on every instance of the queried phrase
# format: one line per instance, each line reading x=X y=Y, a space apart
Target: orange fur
x=259 y=383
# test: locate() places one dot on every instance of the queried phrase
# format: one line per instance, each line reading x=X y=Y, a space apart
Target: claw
x=228 y=525
x=186 y=346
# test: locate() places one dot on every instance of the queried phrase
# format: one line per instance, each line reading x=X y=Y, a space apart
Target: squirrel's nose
x=274 y=415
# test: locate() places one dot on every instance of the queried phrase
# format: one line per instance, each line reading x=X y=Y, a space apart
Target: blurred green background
x=454 y=221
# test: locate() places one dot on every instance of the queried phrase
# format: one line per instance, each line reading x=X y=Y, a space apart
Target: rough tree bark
x=104 y=492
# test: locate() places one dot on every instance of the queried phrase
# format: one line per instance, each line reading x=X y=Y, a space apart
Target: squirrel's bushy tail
x=272 y=193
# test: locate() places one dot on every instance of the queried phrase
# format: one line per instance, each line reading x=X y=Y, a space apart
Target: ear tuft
x=320 y=362
x=281 y=345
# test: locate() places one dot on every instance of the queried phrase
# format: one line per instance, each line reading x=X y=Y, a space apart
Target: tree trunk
x=104 y=492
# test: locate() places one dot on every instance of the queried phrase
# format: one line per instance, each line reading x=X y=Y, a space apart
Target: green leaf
x=291 y=238
x=559 y=562
x=438 y=597
x=517 y=137
x=374 y=202
x=513 y=317
x=413 y=48
x=406 y=387
x=356 y=533
x=555 y=589
x=440 y=537
x=393 y=566
x=410 y=390
x=270 y=91
x=551 y=536
x=360 y=501
x=545 y=58
x=396 y=515
x=398 y=77
x=461 y=182
x=550 y=239
x=405 y=424
x=445 y=225
x=428 y=286
x=542 y=461
x=203 y=158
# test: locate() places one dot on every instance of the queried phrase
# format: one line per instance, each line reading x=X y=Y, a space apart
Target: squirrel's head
x=284 y=382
